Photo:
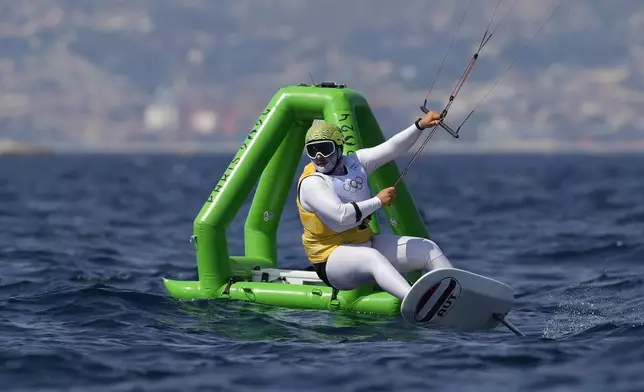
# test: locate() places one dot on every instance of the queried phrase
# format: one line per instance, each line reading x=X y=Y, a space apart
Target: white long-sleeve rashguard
x=317 y=196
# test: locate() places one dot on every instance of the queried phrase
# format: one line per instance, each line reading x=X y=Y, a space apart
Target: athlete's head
x=323 y=144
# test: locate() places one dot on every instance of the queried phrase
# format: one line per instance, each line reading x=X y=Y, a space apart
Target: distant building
x=198 y=117
x=204 y=121
x=161 y=116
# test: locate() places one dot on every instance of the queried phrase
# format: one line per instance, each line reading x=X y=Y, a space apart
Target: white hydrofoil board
x=457 y=300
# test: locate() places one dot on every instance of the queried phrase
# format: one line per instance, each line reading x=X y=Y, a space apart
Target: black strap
x=230 y=283
x=358 y=212
x=334 y=293
x=365 y=222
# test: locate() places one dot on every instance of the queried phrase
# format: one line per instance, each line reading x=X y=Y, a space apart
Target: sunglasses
x=324 y=147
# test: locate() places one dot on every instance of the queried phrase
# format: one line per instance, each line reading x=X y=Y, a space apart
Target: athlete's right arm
x=317 y=196
x=373 y=158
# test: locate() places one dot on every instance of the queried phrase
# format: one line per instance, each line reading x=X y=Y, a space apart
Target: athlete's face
x=323 y=153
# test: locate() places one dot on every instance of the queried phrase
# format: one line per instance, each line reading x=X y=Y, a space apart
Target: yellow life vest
x=318 y=239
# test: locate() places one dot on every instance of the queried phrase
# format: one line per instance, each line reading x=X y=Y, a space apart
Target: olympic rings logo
x=353 y=185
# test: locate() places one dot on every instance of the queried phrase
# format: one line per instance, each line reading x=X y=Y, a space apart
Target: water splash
x=605 y=300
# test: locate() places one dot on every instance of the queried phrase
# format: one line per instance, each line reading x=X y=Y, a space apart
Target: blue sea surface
x=85 y=241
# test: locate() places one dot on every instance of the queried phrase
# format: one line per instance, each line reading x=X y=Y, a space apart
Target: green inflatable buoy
x=271 y=154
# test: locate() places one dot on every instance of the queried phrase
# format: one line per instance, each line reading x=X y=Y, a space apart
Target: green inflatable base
x=297 y=289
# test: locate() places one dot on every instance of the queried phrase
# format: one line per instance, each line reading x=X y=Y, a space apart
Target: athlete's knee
x=436 y=257
x=432 y=248
x=424 y=249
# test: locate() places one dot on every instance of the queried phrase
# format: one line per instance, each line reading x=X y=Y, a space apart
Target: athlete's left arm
x=374 y=157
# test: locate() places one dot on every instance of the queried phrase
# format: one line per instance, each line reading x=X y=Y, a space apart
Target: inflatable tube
x=269 y=158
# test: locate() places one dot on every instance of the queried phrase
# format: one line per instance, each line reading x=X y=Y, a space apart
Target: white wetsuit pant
x=383 y=260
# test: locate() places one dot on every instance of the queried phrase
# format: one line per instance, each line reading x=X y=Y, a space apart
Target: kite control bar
x=446 y=127
x=459 y=84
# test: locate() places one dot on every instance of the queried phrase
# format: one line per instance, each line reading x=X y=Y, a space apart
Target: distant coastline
x=231 y=147
x=9 y=147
